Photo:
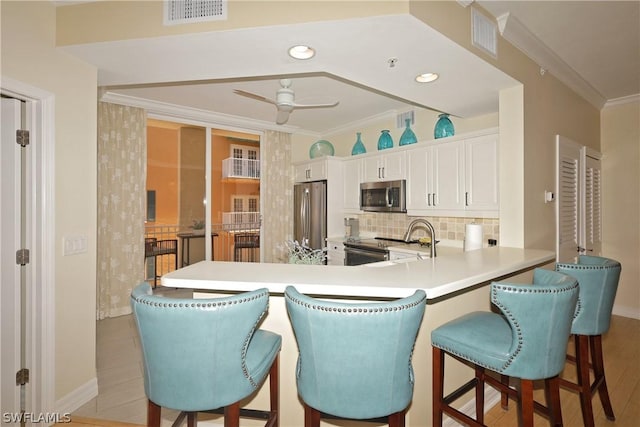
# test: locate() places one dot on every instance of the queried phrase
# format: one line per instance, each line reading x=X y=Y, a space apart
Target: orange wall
x=163 y=175
x=162 y=172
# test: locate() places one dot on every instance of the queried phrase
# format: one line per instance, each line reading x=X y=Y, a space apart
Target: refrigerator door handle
x=306 y=218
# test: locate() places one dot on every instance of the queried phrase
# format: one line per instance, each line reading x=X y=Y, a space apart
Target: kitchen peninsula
x=454 y=282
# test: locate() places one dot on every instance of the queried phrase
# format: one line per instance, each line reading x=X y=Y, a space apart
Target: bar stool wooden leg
x=153 y=414
x=480 y=394
x=600 y=379
x=525 y=404
x=397 y=419
x=584 y=380
x=552 y=392
x=504 y=397
x=438 y=386
x=311 y=416
x=274 y=393
x=192 y=419
x=232 y=415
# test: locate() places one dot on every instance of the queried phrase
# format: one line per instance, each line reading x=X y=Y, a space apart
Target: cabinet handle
x=383 y=172
x=466 y=198
x=434 y=199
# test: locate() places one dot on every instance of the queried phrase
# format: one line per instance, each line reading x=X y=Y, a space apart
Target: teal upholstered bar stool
x=528 y=341
x=202 y=355
x=598 y=278
x=355 y=358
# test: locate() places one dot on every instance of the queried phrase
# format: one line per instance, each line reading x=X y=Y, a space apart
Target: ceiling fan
x=284 y=101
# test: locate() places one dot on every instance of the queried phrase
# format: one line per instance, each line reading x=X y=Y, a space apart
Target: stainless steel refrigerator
x=310 y=214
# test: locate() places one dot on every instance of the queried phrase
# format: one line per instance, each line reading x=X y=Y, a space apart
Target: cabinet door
x=393 y=166
x=418 y=179
x=448 y=176
x=481 y=174
x=384 y=167
x=372 y=168
x=312 y=171
x=352 y=178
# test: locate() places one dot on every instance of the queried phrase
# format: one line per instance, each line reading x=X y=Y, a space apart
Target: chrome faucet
x=414 y=223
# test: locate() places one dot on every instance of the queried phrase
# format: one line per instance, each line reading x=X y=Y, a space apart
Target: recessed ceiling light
x=426 y=77
x=301 y=52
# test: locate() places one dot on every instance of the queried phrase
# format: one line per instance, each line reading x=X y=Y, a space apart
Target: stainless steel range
x=365 y=251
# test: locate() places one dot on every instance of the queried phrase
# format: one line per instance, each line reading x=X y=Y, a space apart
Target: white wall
x=29 y=56
x=621 y=199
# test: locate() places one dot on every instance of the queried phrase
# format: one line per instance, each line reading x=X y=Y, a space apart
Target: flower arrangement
x=198 y=224
x=299 y=254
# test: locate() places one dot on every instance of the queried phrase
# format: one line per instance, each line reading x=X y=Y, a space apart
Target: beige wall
x=29 y=56
x=621 y=199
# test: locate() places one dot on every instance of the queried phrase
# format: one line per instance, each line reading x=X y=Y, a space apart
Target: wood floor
x=122 y=402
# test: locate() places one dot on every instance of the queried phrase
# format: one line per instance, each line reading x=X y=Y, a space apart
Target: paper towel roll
x=473 y=237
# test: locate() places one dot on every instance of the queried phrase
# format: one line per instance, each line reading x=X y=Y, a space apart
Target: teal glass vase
x=408 y=137
x=358 y=147
x=385 y=141
x=444 y=127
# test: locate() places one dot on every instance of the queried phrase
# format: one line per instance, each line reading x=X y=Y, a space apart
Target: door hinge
x=22 y=137
x=22 y=256
x=22 y=376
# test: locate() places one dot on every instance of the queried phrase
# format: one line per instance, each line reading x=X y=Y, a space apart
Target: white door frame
x=40 y=334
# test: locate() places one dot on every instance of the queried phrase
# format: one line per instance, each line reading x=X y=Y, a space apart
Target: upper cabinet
x=481 y=175
x=435 y=179
x=454 y=178
x=312 y=170
x=387 y=166
x=352 y=169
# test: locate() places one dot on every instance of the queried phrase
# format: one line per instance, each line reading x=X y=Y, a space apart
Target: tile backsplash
x=394 y=225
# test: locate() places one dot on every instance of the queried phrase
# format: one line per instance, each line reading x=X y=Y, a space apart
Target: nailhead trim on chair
x=144 y=300
x=357 y=309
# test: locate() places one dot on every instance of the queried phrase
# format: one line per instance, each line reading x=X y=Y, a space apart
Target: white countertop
x=451 y=271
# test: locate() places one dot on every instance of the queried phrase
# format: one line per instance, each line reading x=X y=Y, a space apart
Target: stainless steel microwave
x=384 y=196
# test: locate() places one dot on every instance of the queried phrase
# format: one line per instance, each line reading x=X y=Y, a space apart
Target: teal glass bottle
x=444 y=127
x=385 y=141
x=358 y=147
x=408 y=137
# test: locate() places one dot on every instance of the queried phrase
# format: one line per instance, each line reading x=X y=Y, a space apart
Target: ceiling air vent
x=190 y=11
x=484 y=33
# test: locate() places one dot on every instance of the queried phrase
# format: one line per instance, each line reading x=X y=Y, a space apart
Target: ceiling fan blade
x=282 y=117
x=254 y=96
x=302 y=106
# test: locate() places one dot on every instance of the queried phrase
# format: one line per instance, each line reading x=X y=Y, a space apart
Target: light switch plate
x=73 y=245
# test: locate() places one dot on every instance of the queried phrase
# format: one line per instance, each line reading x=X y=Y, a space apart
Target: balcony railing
x=240 y=168
x=240 y=220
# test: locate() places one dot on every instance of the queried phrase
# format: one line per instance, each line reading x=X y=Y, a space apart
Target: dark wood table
x=185 y=241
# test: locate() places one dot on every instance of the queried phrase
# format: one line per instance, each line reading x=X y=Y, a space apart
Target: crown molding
x=204 y=117
x=623 y=100
x=519 y=35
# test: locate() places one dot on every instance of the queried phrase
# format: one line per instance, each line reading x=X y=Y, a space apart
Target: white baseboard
x=78 y=397
x=491 y=398
x=625 y=311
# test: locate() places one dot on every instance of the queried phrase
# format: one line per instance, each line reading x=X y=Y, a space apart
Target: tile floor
x=119 y=367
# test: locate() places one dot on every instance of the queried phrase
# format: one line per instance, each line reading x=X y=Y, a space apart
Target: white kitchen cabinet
x=456 y=178
x=384 y=167
x=335 y=252
x=481 y=175
x=313 y=170
x=435 y=179
x=352 y=170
